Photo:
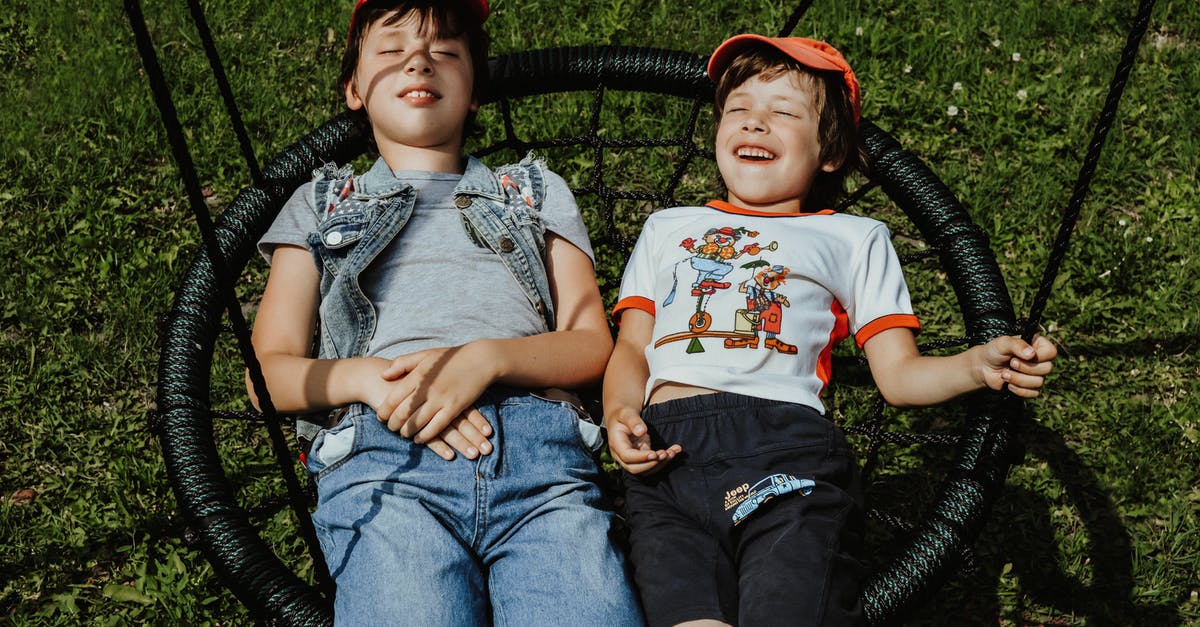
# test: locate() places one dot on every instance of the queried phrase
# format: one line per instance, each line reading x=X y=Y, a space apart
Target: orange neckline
x=728 y=207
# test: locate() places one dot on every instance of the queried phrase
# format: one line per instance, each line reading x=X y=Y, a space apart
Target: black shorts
x=757 y=522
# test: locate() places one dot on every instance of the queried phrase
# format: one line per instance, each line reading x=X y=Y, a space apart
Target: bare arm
x=906 y=378
x=282 y=338
x=434 y=385
x=624 y=387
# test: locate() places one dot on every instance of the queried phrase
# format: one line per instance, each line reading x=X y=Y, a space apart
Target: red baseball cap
x=811 y=53
x=481 y=8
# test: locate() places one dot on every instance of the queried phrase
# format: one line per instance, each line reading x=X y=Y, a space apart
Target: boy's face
x=417 y=89
x=768 y=145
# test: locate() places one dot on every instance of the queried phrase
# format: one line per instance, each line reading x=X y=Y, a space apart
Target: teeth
x=420 y=93
x=754 y=153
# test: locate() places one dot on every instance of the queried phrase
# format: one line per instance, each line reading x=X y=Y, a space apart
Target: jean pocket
x=333 y=446
x=589 y=434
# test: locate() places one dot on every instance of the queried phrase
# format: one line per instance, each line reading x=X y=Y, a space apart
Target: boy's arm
x=282 y=338
x=624 y=387
x=435 y=385
x=906 y=378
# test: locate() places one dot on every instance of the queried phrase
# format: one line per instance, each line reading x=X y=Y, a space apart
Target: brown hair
x=836 y=127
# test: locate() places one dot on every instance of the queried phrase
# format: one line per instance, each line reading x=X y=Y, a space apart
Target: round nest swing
x=930 y=549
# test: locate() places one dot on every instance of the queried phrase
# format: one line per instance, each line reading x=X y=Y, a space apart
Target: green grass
x=1099 y=523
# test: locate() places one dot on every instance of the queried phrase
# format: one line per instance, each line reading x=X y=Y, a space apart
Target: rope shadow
x=1021 y=544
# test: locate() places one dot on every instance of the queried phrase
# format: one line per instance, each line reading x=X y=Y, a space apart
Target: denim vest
x=357 y=217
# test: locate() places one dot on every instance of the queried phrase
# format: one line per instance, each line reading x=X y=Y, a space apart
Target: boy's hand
x=629 y=442
x=468 y=434
x=1010 y=360
x=434 y=388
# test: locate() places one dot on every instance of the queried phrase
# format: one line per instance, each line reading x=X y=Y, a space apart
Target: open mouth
x=753 y=153
x=420 y=94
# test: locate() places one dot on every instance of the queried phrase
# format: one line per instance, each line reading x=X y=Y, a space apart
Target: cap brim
x=727 y=51
x=813 y=54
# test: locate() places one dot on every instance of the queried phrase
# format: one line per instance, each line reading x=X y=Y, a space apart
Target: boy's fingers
x=428 y=424
x=639 y=468
x=459 y=442
x=442 y=450
x=1023 y=392
x=475 y=417
x=402 y=416
x=1046 y=350
x=1040 y=368
x=397 y=368
x=465 y=428
x=1027 y=382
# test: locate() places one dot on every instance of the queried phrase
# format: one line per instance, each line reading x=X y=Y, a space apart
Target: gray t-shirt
x=439 y=289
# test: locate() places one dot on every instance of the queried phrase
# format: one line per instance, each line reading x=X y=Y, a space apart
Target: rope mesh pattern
x=934 y=546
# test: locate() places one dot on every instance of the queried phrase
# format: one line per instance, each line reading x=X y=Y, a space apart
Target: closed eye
x=787 y=113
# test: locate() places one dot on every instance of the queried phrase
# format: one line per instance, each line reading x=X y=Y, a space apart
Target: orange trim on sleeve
x=632 y=302
x=841 y=329
x=893 y=321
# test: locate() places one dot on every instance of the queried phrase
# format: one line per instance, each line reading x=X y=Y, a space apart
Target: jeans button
x=462 y=202
x=506 y=244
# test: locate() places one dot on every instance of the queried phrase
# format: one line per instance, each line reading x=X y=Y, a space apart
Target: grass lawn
x=1099 y=523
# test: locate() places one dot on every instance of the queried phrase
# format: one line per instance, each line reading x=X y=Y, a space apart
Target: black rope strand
x=187 y=171
x=794 y=19
x=1088 y=170
x=218 y=70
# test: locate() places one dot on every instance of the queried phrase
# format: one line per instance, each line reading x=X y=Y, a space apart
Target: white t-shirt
x=753 y=303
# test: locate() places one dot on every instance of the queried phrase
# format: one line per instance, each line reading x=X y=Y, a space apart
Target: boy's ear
x=353 y=101
x=830 y=166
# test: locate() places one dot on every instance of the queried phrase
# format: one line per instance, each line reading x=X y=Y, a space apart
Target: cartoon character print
x=711 y=259
x=713 y=254
x=763 y=312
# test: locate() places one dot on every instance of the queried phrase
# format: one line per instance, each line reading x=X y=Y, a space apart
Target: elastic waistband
x=688 y=406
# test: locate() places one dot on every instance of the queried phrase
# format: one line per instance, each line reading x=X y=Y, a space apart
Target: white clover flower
x=957 y=87
x=858 y=31
x=908 y=69
x=995 y=43
x=952 y=111
x=1121 y=222
x=1022 y=94
x=1149 y=239
x=1016 y=57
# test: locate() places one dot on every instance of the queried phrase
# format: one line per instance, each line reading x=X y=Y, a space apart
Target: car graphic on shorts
x=769 y=488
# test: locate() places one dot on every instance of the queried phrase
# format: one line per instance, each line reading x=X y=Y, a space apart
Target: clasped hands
x=428 y=396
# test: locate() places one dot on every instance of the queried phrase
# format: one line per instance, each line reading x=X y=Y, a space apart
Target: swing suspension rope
x=298 y=496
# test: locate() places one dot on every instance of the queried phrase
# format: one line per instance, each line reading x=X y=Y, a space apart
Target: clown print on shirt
x=753 y=302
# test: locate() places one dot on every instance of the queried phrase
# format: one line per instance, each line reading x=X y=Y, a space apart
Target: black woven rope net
x=926 y=539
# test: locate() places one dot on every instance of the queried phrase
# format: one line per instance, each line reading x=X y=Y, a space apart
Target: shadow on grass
x=1174 y=345
x=1021 y=543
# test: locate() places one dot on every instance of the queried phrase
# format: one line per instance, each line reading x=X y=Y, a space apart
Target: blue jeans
x=518 y=537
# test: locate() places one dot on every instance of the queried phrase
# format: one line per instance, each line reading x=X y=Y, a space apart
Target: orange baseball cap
x=811 y=53
x=481 y=10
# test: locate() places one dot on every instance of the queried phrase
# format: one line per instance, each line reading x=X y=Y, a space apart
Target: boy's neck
x=439 y=159
x=790 y=205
